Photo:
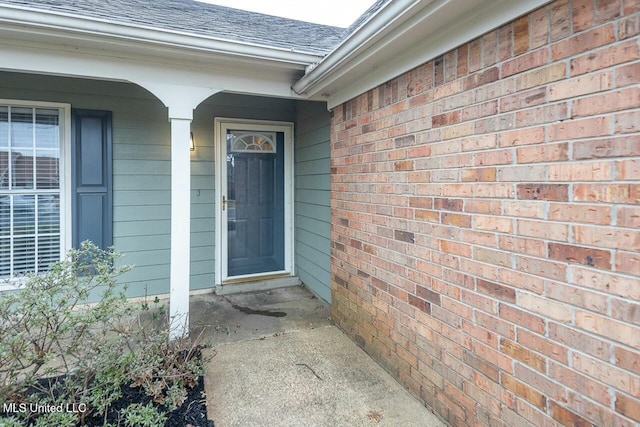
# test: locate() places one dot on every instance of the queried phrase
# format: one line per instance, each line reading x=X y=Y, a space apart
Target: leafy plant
x=59 y=419
x=166 y=369
x=50 y=330
x=138 y=415
x=12 y=422
x=57 y=348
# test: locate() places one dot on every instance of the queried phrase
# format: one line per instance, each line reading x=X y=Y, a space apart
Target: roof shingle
x=204 y=19
x=373 y=9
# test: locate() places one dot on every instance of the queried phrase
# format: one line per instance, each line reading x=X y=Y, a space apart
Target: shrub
x=138 y=415
x=57 y=348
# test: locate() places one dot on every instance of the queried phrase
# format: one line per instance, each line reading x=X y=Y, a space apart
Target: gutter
x=61 y=23
x=402 y=35
x=383 y=21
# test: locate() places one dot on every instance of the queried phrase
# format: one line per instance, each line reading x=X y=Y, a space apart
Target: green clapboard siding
x=313 y=182
x=142 y=168
x=141 y=228
x=142 y=175
x=312 y=198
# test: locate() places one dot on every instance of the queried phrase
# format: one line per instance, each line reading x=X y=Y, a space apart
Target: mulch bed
x=192 y=413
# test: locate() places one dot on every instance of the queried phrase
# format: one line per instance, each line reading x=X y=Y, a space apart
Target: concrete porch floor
x=279 y=361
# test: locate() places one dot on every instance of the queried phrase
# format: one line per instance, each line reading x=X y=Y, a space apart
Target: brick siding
x=486 y=222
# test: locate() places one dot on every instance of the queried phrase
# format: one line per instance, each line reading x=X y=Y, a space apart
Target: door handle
x=224 y=202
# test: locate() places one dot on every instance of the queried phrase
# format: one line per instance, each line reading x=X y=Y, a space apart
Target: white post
x=180 y=101
x=180 y=227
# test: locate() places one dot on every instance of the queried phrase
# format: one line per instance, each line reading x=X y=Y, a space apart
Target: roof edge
x=402 y=35
x=63 y=23
x=357 y=41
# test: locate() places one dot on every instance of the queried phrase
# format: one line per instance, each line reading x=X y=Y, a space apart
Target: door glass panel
x=255 y=202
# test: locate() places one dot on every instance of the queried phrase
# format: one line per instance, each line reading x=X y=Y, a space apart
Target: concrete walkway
x=279 y=361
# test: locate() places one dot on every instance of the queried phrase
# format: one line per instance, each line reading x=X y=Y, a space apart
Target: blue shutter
x=92 y=198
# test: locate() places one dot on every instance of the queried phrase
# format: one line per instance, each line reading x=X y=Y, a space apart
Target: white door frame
x=220 y=127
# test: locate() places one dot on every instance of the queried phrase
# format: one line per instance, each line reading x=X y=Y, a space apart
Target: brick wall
x=486 y=222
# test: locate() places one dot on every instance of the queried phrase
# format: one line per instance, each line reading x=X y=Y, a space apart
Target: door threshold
x=264 y=284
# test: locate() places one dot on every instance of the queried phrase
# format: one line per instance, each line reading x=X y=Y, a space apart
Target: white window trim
x=221 y=124
x=65 y=179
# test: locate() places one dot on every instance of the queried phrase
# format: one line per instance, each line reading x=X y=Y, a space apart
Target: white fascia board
x=362 y=38
x=400 y=40
x=79 y=27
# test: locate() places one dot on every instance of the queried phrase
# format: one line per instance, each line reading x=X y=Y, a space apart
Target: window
x=247 y=142
x=32 y=193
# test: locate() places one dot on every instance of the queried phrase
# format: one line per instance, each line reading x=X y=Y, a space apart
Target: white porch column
x=180 y=101
x=180 y=226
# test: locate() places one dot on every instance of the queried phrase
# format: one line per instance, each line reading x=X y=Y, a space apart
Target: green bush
x=58 y=348
x=138 y=415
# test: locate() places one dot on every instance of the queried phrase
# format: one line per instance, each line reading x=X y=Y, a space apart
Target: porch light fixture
x=192 y=145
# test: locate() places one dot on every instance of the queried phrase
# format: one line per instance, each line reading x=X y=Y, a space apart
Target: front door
x=255 y=199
